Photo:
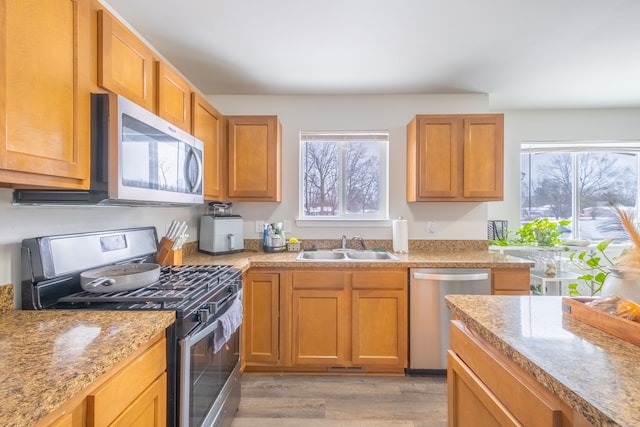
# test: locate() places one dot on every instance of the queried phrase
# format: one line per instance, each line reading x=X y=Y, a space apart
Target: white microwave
x=137 y=158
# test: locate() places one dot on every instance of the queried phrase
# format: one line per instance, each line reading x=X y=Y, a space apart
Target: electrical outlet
x=431 y=227
x=259 y=226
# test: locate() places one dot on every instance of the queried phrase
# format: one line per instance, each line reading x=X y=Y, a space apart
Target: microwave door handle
x=193 y=155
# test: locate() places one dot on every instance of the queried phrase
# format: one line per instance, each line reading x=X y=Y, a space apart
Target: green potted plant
x=594 y=264
x=539 y=232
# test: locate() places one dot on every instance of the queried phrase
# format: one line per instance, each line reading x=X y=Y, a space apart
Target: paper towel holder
x=400 y=236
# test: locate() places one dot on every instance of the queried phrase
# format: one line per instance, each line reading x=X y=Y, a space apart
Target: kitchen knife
x=172 y=229
x=179 y=235
x=176 y=231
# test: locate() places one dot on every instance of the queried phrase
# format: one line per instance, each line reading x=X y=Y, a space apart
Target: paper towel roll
x=400 y=235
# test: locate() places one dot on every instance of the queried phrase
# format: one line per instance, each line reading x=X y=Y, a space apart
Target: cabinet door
x=44 y=95
x=261 y=318
x=139 y=384
x=435 y=153
x=254 y=150
x=173 y=97
x=379 y=317
x=470 y=402
x=207 y=127
x=320 y=324
x=379 y=334
x=149 y=409
x=513 y=391
x=125 y=63
x=483 y=157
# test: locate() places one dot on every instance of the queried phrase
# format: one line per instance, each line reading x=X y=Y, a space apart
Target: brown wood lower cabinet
x=261 y=321
x=328 y=319
x=486 y=388
x=134 y=395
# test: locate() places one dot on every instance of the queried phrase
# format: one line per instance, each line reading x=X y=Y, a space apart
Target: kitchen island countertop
x=595 y=373
x=49 y=356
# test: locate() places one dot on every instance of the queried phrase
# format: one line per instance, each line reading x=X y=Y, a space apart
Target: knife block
x=167 y=256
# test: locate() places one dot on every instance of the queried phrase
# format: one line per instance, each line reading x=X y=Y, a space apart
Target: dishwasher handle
x=451 y=277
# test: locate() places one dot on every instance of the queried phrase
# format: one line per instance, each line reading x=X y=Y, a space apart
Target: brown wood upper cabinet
x=255 y=158
x=128 y=66
x=44 y=93
x=173 y=96
x=207 y=127
x=455 y=157
x=125 y=63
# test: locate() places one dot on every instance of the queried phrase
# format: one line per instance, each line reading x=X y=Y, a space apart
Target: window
x=578 y=182
x=343 y=175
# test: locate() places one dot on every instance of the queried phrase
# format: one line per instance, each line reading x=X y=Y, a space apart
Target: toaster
x=221 y=234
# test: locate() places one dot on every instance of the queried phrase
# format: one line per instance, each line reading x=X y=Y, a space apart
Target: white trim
x=333 y=223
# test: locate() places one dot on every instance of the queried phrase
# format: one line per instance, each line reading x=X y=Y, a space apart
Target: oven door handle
x=191 y=339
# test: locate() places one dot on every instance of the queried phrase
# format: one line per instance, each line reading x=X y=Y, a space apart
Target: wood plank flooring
x=350 y=401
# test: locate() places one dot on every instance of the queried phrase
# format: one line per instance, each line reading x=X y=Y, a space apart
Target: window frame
x=574 y=148
x=343 y=137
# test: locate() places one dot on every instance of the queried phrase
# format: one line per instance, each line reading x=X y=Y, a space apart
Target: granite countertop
x=593 y=372
x=414 y=259
x=49 y=356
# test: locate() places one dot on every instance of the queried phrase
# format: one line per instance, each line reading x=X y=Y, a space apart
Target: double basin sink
x=345 y=256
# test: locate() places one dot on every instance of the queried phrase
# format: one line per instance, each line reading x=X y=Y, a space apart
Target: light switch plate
x=259 y=226
x=287 y=226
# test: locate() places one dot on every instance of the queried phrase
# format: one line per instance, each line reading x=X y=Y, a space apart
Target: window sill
x=326 y=222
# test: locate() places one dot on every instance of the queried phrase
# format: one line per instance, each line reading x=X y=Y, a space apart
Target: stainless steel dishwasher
x=429 y=317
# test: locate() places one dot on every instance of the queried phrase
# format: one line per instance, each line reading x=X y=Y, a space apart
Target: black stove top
x=180 y=288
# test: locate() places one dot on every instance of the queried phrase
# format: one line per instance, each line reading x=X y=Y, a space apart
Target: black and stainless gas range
x=203 y=344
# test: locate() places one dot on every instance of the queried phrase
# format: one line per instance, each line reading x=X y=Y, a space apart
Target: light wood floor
x=350 y=401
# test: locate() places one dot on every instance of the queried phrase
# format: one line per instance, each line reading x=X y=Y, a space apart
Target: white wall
x=21 y=222
x=555 y=125
x=392 y=113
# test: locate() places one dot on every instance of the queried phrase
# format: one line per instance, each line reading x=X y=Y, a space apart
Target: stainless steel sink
x=371 y=256
x=328 y=256
x=320 y=256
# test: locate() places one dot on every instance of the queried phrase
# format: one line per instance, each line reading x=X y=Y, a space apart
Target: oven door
x=209 y=386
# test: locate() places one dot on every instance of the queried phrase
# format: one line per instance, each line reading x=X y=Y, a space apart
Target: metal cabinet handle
x=450 y=277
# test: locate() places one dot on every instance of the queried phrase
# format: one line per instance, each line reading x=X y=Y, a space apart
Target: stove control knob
x=203 y=314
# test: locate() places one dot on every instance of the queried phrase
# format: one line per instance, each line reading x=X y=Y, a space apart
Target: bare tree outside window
x=344 y=175
x=321 y=178
x=579 y=186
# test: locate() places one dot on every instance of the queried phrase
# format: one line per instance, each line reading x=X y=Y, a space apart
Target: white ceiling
x=524 y=54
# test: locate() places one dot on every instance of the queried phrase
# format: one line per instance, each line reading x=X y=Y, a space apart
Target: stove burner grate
x=178 y=286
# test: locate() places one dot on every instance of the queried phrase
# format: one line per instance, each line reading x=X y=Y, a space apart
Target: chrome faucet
x=344 y=242
x=361 y=240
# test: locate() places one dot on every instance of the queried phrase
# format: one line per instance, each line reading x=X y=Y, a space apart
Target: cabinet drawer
x=110 y=400
x=529 y=402
x=380 y=279
x=510 y=279
x=319 y=279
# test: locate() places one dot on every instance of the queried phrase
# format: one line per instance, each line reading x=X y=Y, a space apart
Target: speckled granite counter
x=424 y=259
x=50 y=356
x=593 y=372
